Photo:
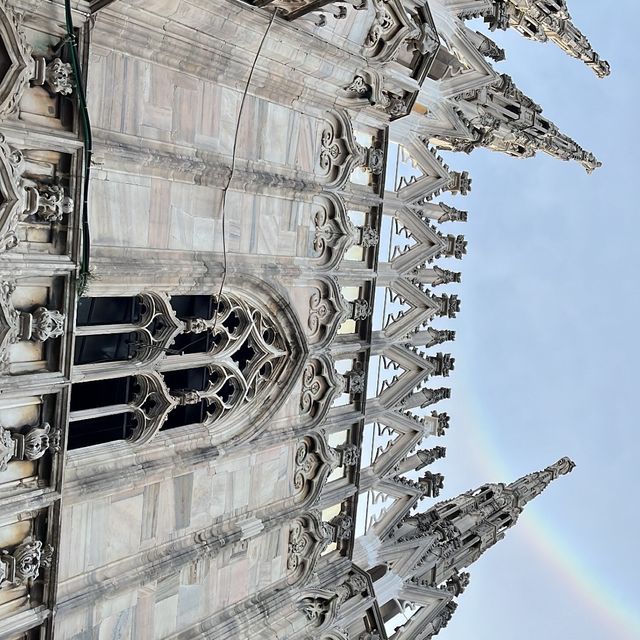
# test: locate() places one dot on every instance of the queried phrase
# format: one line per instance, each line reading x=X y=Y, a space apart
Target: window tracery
x=228 y=354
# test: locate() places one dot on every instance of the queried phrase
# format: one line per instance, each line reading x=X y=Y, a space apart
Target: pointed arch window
x=225 y=362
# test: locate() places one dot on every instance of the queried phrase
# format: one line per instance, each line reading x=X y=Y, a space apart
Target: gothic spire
x=455 y=533
x=499 y=116
x=544 y=20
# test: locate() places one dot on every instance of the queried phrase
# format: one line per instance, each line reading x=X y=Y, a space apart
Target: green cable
x=84 y=274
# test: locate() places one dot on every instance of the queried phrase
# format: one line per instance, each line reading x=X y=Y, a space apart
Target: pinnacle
x=547 y=20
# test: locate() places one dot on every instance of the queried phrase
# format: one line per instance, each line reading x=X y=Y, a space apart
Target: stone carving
x=351 y=587
x=23 y=565
x=325 y=309
x=328 y=310
x=441 y=621
x=451 y=214
x=46 y=324
x=150 y=405
x=31 y=445
x=459 y=182
x=342 y=526
x=438 y=336
x=431 y=484
x=369 y=237
x=367 y=88
x=448 y=305
x=56 y=75
x=7 y=447
x=445 y=276
x=349 y=454
x=457 y=583
x=9 y=323
x=41 y=325
x=316 y=610
x=425 y=397
x=314 y=461
x=335 y=234
x=340 y=153
x=321 y=607
x=355 y=381
x=360 y=309
x=320 y=385
x=429 y=456
x=393 y=25
x=442 y=363
x=11 y=192
x=442 y=420
x=49 y=202
x=308 y=538
x=17 y=68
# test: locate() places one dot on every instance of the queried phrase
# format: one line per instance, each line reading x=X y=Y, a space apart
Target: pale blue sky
x=547 y=350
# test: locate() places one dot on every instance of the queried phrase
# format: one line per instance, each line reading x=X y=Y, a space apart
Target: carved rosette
x=335 y=234
x=314 y=461
x=23 y=565
x=320 y=385
x=308 y=538
x=340 y=153
x=328 y=309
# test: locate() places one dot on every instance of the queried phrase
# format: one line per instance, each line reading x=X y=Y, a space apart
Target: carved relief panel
x=32 y=325
x=36 y=203
x=25 y=560
x=35 y=78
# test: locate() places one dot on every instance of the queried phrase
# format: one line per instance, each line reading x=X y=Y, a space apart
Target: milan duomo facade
x=219 y=374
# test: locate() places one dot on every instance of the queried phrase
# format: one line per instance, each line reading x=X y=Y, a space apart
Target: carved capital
x=31 y=445
x=46 y=324
x=23 y=564
x=349 y=454
x=342 y=525
x=56 y=75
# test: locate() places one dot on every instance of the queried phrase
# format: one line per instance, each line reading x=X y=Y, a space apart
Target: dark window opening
x=193 y=306
x=105 y=348
x=95 y=311
x=192 y=343
x=189 y=414
x=101 y=393
x=243 y=356
x=84 y=433
x=195 y=379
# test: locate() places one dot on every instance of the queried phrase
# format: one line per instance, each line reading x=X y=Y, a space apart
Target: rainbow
x=602 y=601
